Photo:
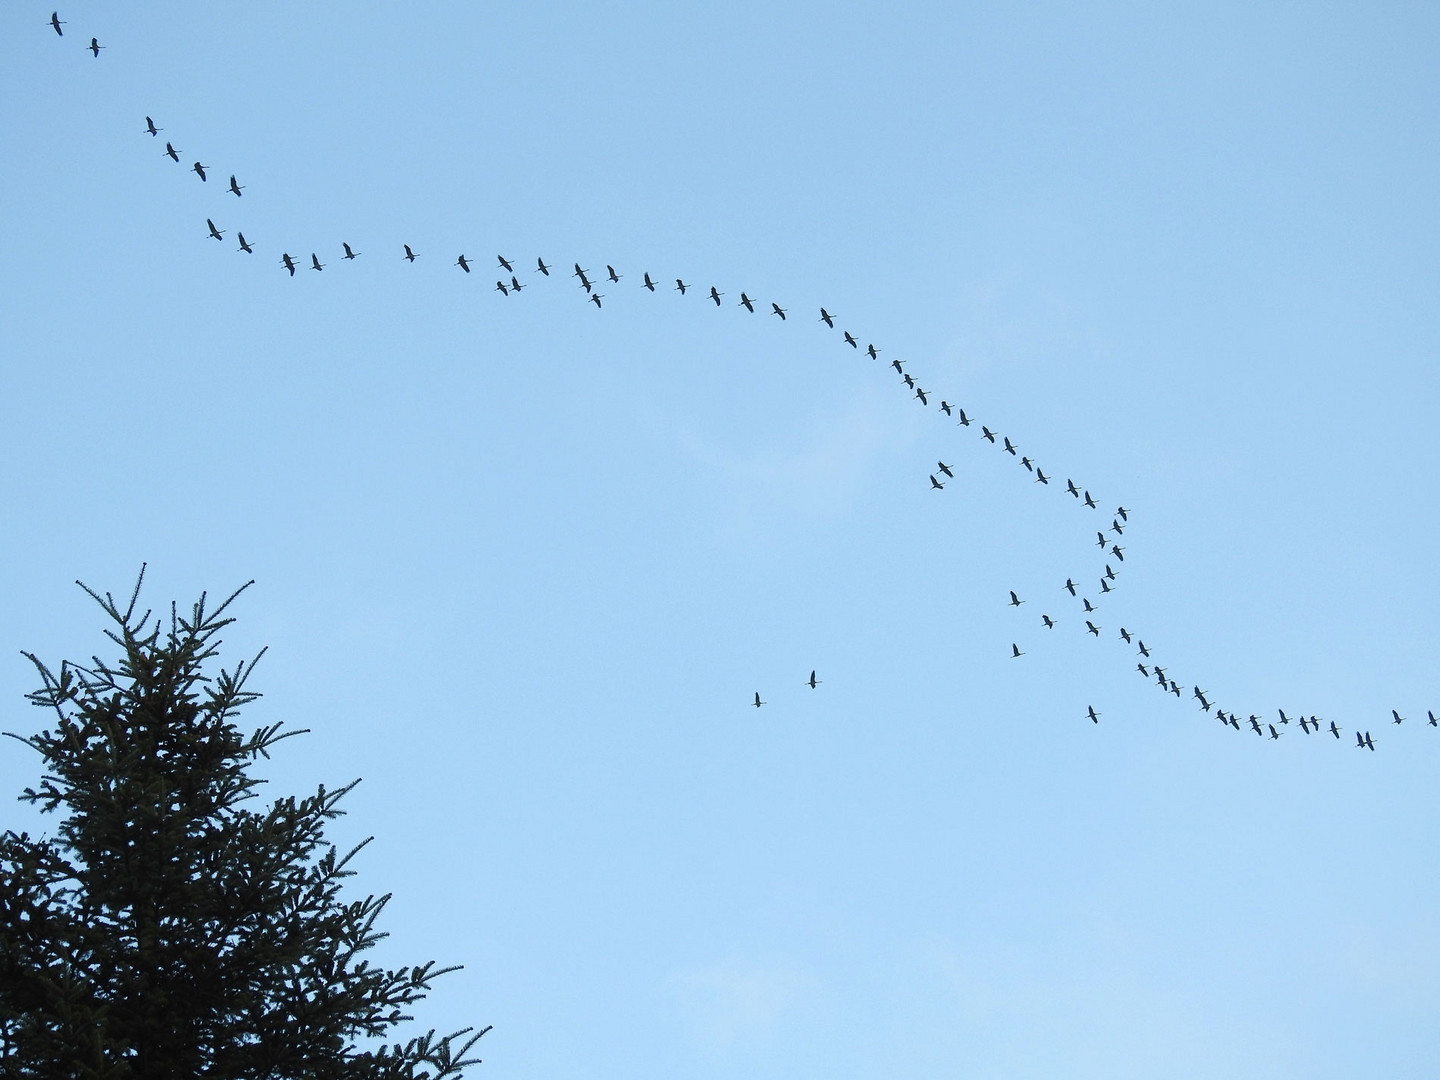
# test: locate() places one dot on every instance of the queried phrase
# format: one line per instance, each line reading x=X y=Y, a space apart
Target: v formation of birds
x=1110 y=553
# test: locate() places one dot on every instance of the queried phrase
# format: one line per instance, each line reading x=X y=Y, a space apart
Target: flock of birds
x=1111 y=552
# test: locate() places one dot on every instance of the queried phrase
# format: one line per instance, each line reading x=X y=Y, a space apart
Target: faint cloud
x=737 y=1000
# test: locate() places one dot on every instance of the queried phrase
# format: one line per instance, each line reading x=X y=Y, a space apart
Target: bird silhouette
x=409 y=255
x=680 y=286
x=872 y=352
x=57 y=22
x=216 y=233
x=172 y=153
x=747 y=303
x=920 y=393
x=909 y=381
x=315 y=263
x=1009 y=446
x=244 y=246
x=1105 y=586
x=1089 y=607
x=776 y=309
x=827 y=318
x=502 y=288
x=95 y=46
x=1049 y=622
x=648 y=283
x=813 y=682
x=350 y=254
x=1123 y=515
x=595 y=299
x=610 y=270
x=515 y=285
x=151 y=128
x=1090 y=626
x=945 y=469
x=1100 y=539
x=288 y=263
x=850 y=339
x=1273 y=733
x=936 y=484
x=460 y=262
x=1143 y=651
x=541 y=268
x=1030 y=465
x=1071 y=488
x=1070 y=587
x=1015 y=652
x=1334 y=730
x=964 y=420
x=1143 y=670
x=986 y=433
x=1125 y=634
x=758 y=702
x=1089 y=501
x=1398 y=718
x=715 y=295
x=235 y=188
x=505 y=263
x=1433 y=722
x=1094 y=716
x=1118 y=552
x=200 y=170
x=945 y=406
x=1040 y=477
x=1363 y=742
x=1015 y=601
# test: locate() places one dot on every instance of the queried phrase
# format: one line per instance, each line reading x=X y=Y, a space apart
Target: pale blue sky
x=522 y=563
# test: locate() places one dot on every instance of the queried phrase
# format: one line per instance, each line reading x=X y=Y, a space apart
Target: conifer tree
x=168 y=930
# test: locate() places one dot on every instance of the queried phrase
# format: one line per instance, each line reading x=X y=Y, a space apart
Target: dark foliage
x=165 y=931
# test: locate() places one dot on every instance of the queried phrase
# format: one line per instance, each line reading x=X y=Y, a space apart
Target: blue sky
x=522 y=563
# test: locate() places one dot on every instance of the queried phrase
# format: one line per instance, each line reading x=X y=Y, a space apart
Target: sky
x=522 y=562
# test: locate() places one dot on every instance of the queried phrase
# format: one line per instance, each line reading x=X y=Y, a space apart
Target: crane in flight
x=610 y=270
x=715 y=295
x=1094 y=716
x=1092 y=628
x=287 y=262
x=172 y=153
x=541 y=268
x=936 y=484
x=827 y=318
x=95 y=46
x=409 y=254
x=216 y=233
x=1071 y=488
x=501 y=287
x=964 y=420
x=1040 y=477
x=315 y=263
x=595 y=299
x=1009 y=446
x=515 y=285
x=246 y=248
x=1015 y=601
x=1049 y=622
x=813 y=682
x=680 y=286
x=57 y=22
x=460 y=262
x=850 y=339
x=758 y=702
x=946 y=470
x=776 y=309
x=1089 y=501
x=200 y=170
x=1070 y=587
x=1015 y=652
x=235 y=188
x=1398 y=718
x=987 y=433
x=1123 y=515
x=349 y=254
x=747 y=303
x=945 y=407
x=151 y=128
x=920 y=393
x=648 y=283
x=506 y=264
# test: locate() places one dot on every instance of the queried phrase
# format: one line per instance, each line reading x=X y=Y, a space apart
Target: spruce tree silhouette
x=166 y=930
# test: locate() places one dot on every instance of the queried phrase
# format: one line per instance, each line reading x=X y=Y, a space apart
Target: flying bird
x=827 y=318
x=595 y=299
x=1283 y=718
x=1105 y=586
x=964 y=420
x=1089 y=607
x=1273 y=733
x=1334 y=730
x=611 y=271
x=1089 y=501
x=1100 y=539
x=172 y=153
x=715 y=295
x=1109 y=573
x=1398 y=718
x=1433 y=722
x=1200 y=696
x=1009 y=446
x=987 y=433
x=57 y=22
x=776 y=309
x=946 y=470
x=872 y=352
x=288 y=263
x=1123 y=515
x=216 y=233
x=1304 y=726
x=315 y=263
x=1049 y=622
x=95 y=46
x=1143 y=651
x=813 y=682
x=541 y=268
x=151 y=128
x=244 y=246
x=1255 y=724
x=945 y=407
x=350 y=254
x=1125 y=634
x=1143 y=670
x=936 y=484
x=460 y=262
x=1115 y=527
x=409 y=255
x=1094 y=716
x=1015 y=652
x=1118 y=552
x=584 y=281
x=1015 y=601
x=1070 y=487
x=920 y=393
x=1361 y=742
x=758 y=702
x=648 y=283
x=1070 y=586
x=1092 y=628
x=680 y=286
x=200 y=170
x=850 y=339
x=909 y=381
x=1030 y=465
x=1040 y=477
x=502 y=288
x=747 y=303
x=506 y=264
x=235 y=188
